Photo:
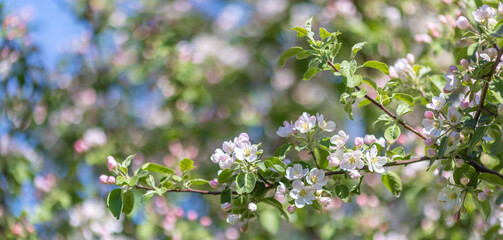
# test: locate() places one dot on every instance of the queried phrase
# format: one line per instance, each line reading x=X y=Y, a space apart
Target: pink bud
x=392 y=73
x=464 y=181
x=429 y=142
x=465 y=63
x=456 y=217
x=460 y=163
x=464 y=105
x=291 y=209
x=482 y=196
x=103 y=179
x=369 y=139
x=358 y=142
x=354 y=174
x=453 y=69
x=214 y=183
x=447 y=90
x=462 y=23
x=333 y=161
x=226 y=206
x=252 y=207
x=429 y=114
x=192 y=215
x=500 y=8
x=111 y=180
x=410 y=58
x=431 y=152
x=112 y=164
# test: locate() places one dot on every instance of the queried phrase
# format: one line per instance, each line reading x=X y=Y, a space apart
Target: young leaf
x=402 y=110
x=324 y=33
x=114 y=202
x=128 y=202
x=357 y=47
x=198 y=181
x=283 y=150
x=484 y=207
x=393 y=183
x=225 y=196
x=245 y=182
x=273 y=202
x=342 y=191
x=377 y=65
x=313 y=70
x=127 y=161
x=153 y=167
x=405 y=97
x=186 y=164
x=225 y=175
x=477 y=136
x=392 y=133
x=288 y=54
x=301 y=32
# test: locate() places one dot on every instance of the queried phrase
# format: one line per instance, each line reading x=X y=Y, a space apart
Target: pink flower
x=103 y=179
x=354 y=174
x=428 y=114
x=291 y=209
x=358 y=142
x=111 y=180
x=214 y=183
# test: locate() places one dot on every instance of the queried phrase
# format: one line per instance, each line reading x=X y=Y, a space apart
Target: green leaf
x=245 y=182
x=491 y=178
x=342 y=191
x=472 y=49
x=392 y=133
x=477 y=136
x=357 y=47
x=308 y=24
x=484 y=207
x=496 y=87
x=273 y=202
x=402 y=110
x=301 y=32
x=356 y=188
x=363 y=102
x=127 y=161
x=497 y=146
x=225 y=175
x=198 y=181
x=186 y=164
x=283 y=150
x=370 y=82
x=114 y=202
x=324 y=33
x=288 y=54
x=405 y=97
x=303 y=54
x=153 y=167
x=313 y=70
x=270 y=221
x=225 y=196
x=377 y=65
x=442 y=147
x=393 y=183
x=321 y=155
x=128 y=202
x=261 y=166
x=499 y=199
x=276 y=165
x=465 y=171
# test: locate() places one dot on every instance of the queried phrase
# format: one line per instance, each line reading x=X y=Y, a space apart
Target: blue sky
x=53 y=24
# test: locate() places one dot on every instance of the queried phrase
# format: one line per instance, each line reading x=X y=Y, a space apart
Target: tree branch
x=486 y=84
x=396 y=163
x=382 y=107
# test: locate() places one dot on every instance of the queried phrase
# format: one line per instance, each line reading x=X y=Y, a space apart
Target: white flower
x=325 y=126
x=232 y=219
x=335 y=158
x=375 y=163
x=286 y=130
x=369 y=139
x=436 y=102
x=381 y=141
x=452 y=82
x=224 y=161
x=340 y=139
x=483 y=13
x=305 y=123
x=450 y=197
x=316 y=178
x=281 y=189
x=453 y=116
x=302 y=194
x=252 y=207
x=352 y=160
x=432 y=127
x=324 y=201
x=296 y=172
x=228 y=147
x=402 y=66
x=242 y=138
x=246 y=151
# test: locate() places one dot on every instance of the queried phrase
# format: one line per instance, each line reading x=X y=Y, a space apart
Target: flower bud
x=462 y=23
x=243 y=228
x=103 y=179
x=500 y=109
x=354 y=174
x=464 y=105
x=445 y=90
x=442 y=181
x=482 y=196
x=214 y=183
x=281 y=189
x=252 y=207
x=431 y=152
x=453 y=69
x=324 y=201
x=492 y=52
x=429 y=142
x=460 y=163
x=464 y=181
x=369 y=139
x=500 y=8
x=465 y=63
x=358 y=142
x=112 y=164
x=232 y=219
x=487 y=191
x=111 y=180
x=226 y=206
x=291 y=209
x=333 y=161
x=429 y=114
x=410 y=58
x=454 y=136
x=456 y=216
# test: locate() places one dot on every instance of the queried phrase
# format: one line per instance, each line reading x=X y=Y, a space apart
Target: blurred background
x=167 y=80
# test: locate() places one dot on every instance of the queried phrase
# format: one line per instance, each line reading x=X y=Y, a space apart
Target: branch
x=190 y=190
x=314 y=157
x=396 y=163
x=382 y=107
x=479 y=167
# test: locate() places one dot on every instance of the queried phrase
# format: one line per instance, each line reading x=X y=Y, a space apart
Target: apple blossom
x=432 y=127
x=112 y=164
x=281 y=189
x=103 y=179
x=429 y=142
x=226 y=206
x=500 y=8
x=252 y=207
x=431 y=152
x=453 y=116
x=454 y=136
x=354 y=174
x=232 y=219
x=462 y=23
x=465 y=63
x=429 y=114
x=460 y=163
x=291 y=209
x=302 y=194
x=437 y=103
x=369 y=139
x=381 y=141
x=246 y=151
x=358 y=142
x=352 y=160
x=214 y=183
x=324 y=201
x=451 y=83
x=410 y=58
x=340 y=139
x=111 y=180
x=228 y=147
x=305 y=123
x=464 y=104
x=464 y=181
x=334 y=158
x=456 y=216
x=286 y=130
x=316 y=178
x=296 y=172
x=450 y=197
x=375 y=163
x=325 y=126
x=483 y=13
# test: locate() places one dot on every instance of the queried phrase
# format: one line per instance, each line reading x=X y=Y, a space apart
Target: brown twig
x=382 y=107
x=190 y=190
x=486 y=84
x=314 y=157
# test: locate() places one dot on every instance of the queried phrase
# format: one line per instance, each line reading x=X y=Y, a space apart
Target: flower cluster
x=303 y=192
x=305 y=124
x=240 y=149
